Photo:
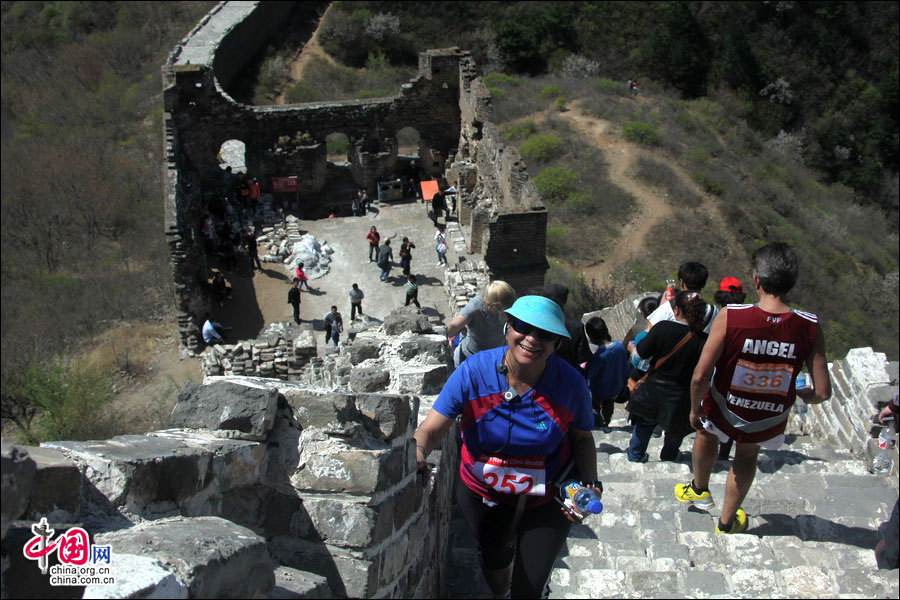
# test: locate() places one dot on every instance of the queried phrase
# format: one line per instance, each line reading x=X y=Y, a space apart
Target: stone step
x=814 y=515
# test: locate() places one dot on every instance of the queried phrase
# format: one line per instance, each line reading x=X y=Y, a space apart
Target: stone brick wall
x=499 y=201
x=325 y=479
x=862 y=383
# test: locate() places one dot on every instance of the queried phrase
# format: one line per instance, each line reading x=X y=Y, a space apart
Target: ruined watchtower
x=446 y=103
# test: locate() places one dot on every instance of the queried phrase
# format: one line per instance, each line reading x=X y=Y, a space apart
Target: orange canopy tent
x=429 y=189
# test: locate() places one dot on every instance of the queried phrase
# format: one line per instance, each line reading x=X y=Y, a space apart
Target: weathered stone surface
x=369 y=380
x=389 y=415
x=425 y=348
x=56 y=491
x=167 y=471
x=428 y=379
x=17 y=478
x=404 y=319
x=292 y=583
x=138 y=577
x=360 y=352
x=321 y=409
x=226 y=405
x=348 y=574
x=305 y=343
x=352 y=470
x=213 y=557
x=349 y=522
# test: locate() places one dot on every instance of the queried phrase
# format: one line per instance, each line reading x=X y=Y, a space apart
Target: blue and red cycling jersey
x=517 y=446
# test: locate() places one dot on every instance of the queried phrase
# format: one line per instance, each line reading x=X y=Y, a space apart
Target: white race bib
x=512 y=474
x=769 y=378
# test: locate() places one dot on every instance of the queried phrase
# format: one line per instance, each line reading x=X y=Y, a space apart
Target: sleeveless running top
x=752 y=388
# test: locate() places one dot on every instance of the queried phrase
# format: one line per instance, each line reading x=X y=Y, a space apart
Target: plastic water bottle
x=881 y=462
x=582 y=498
x=801 y=407
x=669 y=294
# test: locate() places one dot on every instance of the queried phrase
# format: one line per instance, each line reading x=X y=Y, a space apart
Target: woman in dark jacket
x=665 y=398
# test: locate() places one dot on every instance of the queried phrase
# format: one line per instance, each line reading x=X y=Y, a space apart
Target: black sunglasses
x=528 y=329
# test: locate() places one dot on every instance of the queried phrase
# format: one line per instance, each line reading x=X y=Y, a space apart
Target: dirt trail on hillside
x=307 y=52
x=651 y=205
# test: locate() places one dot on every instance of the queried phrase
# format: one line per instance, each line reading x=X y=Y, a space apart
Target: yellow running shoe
x=739 y=525
x=685 y=493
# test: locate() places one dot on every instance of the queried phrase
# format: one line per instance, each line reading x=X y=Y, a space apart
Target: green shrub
x=500 y=79
x=497 y=82
x=556 y=183
x=302 y=92
x=556 y=239
x=708 y=184
x=640 y=132
x=540 y=147
x=580 y=202
x=560 y=104
x=515 y=131
x=70 y=403
x=551 y=91
x=608 y=85
x=644 y=279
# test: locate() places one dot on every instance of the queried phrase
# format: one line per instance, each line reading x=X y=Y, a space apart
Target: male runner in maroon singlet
x=757 y=352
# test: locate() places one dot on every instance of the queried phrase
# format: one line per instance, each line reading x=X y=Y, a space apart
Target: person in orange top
x=374 y=239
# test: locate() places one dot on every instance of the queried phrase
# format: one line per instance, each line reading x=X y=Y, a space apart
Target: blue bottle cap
x=595 y=507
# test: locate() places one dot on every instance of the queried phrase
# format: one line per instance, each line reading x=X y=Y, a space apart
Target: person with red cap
x=730 y=292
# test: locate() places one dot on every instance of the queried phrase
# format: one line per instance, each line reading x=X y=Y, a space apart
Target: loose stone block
x=352 y=470
x=425 y=348
x=153 y=474
x=213 y=557
x=348 y=574
x=390 y=415
x=369 y=380
x=56 y=491
x=424 y=380
x=292 y=583
x=138 y=577
x=348 y=522
x=403 y=319
x=17 y=477
x=227 y=405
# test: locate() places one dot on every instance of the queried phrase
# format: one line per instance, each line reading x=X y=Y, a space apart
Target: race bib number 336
x=769 y=378
x=512 y=474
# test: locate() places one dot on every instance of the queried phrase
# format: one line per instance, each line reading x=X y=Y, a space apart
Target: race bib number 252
x=512 y=475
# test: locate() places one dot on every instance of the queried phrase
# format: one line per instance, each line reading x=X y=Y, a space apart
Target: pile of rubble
x=284 y=243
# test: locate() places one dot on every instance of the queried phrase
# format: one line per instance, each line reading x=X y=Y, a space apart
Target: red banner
x=284 y=184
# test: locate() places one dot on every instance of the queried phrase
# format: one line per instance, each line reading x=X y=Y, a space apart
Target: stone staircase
x=814 y=515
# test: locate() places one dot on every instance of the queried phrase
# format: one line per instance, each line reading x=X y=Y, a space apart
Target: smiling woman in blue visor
x=524 y=414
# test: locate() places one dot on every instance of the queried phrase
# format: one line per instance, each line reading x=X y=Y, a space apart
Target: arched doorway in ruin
x=233 y=153
x=408 y=143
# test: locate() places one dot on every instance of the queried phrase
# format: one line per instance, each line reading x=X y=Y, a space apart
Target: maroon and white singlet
x=752 y=388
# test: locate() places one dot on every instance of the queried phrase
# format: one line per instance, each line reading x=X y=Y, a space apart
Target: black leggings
x=533 y=542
